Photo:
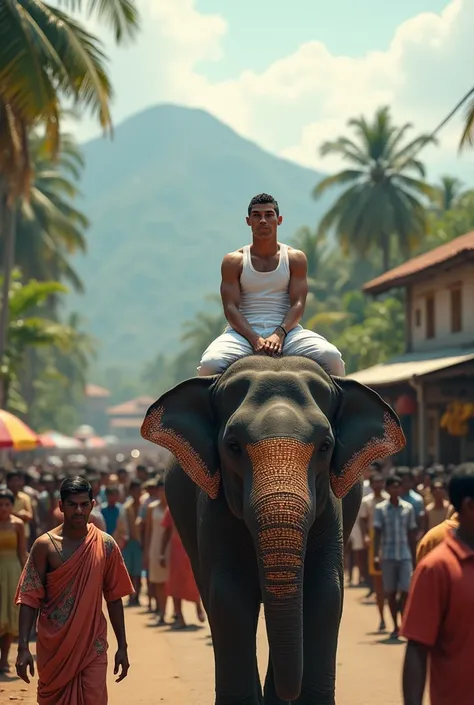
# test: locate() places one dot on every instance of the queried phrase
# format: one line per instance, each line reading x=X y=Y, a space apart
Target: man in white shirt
x=366 y=517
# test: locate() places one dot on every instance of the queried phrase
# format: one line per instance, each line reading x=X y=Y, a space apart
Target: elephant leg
x=182 y=497
x=230 y=576
x=323 y=600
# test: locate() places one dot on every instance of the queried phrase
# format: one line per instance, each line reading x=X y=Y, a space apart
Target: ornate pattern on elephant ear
x=182 y=421
x=366 y=429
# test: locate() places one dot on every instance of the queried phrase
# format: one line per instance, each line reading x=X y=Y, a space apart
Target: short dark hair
x=404 y=473
x=11 y=474
x=111 y=489
x=461 y=485
x=262 y=198
x=135 y=483
x=376 y=477
x=74 y=485
x=393 y=480
x=5 y=493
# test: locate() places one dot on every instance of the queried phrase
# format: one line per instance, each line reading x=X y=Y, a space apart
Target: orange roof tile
x=94 y=390
x=126 y=423
x=443 y=256
x=131 y=408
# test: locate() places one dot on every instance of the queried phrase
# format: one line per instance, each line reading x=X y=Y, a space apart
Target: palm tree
x=315 y=248
x=382 y=201
x=449 y=194
x=202 y=330
x=46 y=56
x=49 y=228
x=58 y=372
x=27 y=328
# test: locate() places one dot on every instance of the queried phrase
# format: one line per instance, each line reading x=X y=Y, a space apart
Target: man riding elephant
x=264 y=288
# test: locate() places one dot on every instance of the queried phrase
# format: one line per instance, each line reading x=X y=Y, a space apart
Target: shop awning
x=405 y=367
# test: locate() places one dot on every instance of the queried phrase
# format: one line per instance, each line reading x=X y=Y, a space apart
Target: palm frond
x=339 y=179
x=467 y=137
x=29 y=296
x=406 y=153
x=420 y=187
x=345 y=148
x=121 y=15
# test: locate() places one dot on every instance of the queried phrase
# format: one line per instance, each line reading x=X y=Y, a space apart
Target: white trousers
x=230 y=346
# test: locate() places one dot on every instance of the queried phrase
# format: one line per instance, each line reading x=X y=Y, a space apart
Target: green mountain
x=167 y=199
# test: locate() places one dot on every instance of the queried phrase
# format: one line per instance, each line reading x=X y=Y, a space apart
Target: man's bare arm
x=412 y=535
x=24 y=660
x=39 y=556
x=298 y=289
x=414 y=673
x=230 y=294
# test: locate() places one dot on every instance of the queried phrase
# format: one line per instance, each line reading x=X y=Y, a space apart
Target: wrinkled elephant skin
x=264 y=490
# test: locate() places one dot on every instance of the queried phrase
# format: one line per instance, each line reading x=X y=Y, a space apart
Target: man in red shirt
x=438 y=620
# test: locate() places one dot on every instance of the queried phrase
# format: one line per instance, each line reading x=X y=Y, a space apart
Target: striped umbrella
x=15 y=434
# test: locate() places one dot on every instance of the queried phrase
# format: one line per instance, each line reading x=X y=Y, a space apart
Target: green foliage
x=452 y=223
x=385 y=190
x=49 y=227
x=26 y=327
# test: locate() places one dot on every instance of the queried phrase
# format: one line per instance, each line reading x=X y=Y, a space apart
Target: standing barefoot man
x=70 y=570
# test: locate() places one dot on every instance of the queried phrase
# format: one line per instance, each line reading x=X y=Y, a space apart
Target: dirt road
x=176 y=668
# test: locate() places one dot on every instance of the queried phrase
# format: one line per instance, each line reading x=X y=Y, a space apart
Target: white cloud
x=306 y=97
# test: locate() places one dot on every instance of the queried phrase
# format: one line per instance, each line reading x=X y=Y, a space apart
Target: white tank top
x=264 y=295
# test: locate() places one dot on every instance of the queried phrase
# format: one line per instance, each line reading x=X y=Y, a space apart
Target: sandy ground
x=176 y=668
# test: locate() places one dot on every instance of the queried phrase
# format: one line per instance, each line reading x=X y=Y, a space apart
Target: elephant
x=264 y=488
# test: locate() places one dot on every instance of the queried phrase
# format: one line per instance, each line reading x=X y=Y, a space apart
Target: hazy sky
x=289 y=75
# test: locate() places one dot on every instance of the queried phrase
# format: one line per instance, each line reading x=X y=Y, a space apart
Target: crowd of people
x=412 y=545
x=403 y=515
x=130 y=505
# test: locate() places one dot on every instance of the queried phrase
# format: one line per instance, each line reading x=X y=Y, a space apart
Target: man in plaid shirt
x=395 y=529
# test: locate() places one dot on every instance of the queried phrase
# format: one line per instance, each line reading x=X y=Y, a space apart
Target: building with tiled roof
x=444 y=258
x=435 y=375
x=125 y=419
x=94 y=391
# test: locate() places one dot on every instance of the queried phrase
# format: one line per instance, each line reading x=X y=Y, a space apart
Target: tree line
x=49 y=61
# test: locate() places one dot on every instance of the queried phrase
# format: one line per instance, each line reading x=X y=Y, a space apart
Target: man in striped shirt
x=395 y=529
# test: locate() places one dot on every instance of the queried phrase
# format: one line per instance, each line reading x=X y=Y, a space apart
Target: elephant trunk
x=279 y=515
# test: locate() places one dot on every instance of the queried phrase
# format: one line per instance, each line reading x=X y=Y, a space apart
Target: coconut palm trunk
x=7 y=228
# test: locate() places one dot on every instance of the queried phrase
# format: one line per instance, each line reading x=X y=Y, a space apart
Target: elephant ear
x=182 y=421
x=366 y=429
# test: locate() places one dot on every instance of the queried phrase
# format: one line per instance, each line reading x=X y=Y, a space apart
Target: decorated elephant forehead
x=280 y=465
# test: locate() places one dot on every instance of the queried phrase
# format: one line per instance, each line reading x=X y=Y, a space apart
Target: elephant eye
x=234 y=447
x=325 y=445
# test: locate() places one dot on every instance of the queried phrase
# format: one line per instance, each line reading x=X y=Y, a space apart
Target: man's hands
x=24 y=662
x=273 y=345
x=121 y=662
